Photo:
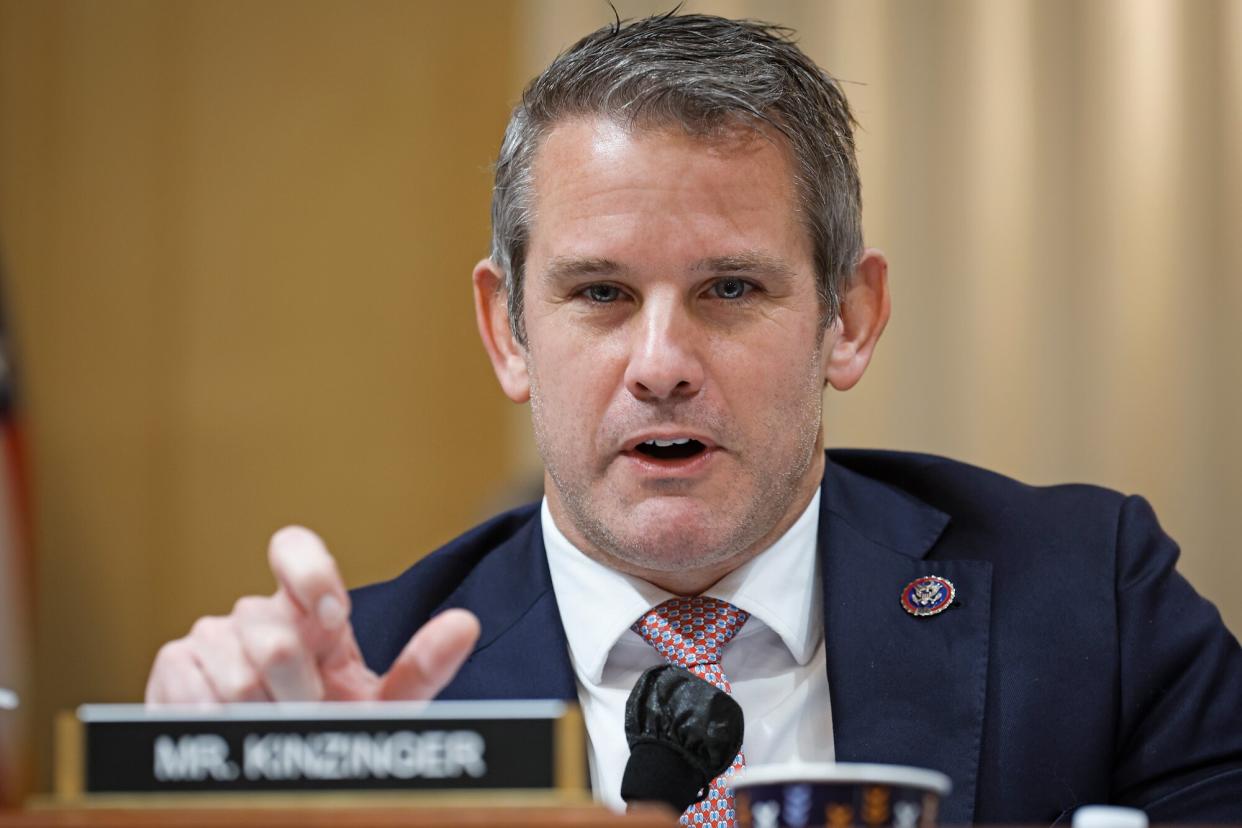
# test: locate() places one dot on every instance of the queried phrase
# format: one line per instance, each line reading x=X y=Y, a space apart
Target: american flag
x=15 y=593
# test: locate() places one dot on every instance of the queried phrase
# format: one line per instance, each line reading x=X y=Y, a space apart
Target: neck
x=688 y=582
x=692 y=580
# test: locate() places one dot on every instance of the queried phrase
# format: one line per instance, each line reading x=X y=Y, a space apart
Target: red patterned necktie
x=691 y=632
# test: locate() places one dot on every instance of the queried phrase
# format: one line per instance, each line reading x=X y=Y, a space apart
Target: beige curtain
x=1058 y=186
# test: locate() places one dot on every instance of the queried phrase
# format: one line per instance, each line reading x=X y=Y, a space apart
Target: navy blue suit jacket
x=1076 y=667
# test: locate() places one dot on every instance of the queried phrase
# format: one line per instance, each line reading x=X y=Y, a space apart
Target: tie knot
x=691 y=631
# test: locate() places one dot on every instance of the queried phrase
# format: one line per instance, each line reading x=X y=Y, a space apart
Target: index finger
x=309 y=576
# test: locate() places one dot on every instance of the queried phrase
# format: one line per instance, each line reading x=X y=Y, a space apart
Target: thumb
x=432 y=657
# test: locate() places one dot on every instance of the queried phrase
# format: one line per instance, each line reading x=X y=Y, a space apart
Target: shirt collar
x=780 y=587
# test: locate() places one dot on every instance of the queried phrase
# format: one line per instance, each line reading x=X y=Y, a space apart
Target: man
x=677 y=273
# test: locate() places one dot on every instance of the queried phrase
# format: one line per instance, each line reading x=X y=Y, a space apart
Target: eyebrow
x=569 y=269
x=746 y=263
x=563 y=269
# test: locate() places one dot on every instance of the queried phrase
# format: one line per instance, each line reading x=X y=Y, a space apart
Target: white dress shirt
x=775 y=664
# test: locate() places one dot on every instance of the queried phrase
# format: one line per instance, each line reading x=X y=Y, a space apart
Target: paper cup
x=838 y=795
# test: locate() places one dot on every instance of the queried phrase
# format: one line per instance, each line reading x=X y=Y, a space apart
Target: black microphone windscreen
x=682 y=732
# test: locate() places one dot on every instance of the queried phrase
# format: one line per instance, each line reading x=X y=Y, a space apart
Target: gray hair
x=707 y=75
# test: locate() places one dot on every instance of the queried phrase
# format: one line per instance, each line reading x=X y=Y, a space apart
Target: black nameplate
x=441 y=746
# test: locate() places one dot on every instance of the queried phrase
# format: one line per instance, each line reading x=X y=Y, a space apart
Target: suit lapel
x=522 y=652
x=904 y=690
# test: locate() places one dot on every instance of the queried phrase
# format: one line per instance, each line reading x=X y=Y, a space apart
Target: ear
x=850 y=341
x=491 y=312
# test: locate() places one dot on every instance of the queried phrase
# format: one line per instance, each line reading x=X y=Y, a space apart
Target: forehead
x=597 y=183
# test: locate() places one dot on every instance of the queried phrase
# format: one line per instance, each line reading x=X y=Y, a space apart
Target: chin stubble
x=774 y=494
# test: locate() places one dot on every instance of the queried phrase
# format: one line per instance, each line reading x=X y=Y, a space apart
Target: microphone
x=683 y=732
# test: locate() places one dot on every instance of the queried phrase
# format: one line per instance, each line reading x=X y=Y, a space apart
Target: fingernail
x=331 y=612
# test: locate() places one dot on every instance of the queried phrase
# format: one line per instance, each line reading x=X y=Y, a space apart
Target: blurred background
x=237 y=237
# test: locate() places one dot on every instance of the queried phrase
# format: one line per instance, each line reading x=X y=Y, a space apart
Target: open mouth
x=680 y=448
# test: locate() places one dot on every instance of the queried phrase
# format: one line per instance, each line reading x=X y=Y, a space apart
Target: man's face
x=670 y=297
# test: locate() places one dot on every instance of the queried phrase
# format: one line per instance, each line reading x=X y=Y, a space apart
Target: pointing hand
x=297 y=644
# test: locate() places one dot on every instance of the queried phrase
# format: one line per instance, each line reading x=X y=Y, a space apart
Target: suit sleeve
x=1179 y=746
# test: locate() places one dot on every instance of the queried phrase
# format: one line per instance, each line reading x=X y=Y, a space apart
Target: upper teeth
x=680 y=441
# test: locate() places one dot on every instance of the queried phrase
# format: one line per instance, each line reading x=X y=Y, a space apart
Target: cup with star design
x=839 y=795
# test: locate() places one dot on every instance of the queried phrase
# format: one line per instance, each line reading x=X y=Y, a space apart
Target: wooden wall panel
x=239 y=239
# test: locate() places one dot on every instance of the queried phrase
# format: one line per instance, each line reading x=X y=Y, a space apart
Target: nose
x=665 y=359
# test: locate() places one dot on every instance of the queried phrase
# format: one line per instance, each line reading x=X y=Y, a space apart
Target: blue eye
x=731 y=288
x=602 y=293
